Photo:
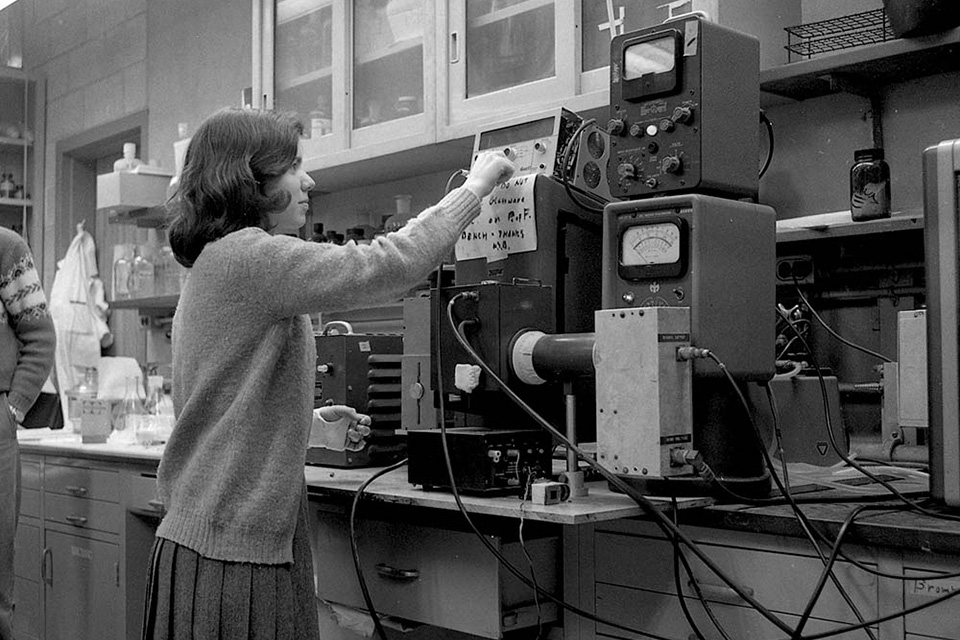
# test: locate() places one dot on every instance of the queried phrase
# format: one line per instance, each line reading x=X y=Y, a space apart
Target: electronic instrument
x=684 y=110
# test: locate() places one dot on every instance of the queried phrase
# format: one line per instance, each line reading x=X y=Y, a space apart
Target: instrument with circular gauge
x=652 y=249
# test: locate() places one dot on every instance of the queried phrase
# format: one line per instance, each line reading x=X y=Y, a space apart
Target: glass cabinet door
x=507 y=55
x=393 y=95
x=602 y=20
x=305 y=76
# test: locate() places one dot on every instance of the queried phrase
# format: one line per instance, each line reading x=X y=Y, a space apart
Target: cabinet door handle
x=393 y=573
x=77 y=491
x=76 y=520
x=454 y=47
x=47 y=579
x=156 y=505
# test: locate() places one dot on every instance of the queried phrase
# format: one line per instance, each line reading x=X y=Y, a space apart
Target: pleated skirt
x=190 y=597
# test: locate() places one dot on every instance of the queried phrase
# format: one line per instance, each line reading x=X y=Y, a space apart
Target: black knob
x=615 y=126
x=682 y=115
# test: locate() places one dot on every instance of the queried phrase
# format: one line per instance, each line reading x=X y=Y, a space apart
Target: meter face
x=652 y=56
x=649 y=244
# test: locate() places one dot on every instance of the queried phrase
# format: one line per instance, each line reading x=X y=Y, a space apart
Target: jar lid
x=868 y=154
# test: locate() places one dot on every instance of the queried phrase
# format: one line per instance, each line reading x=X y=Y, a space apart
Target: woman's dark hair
x=231 y=159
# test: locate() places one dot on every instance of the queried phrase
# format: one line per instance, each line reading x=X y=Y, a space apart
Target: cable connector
x=692 y=457
x=692 y=353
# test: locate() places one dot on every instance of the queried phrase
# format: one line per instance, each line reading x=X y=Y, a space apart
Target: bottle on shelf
x=129 y=161
x=869 y=185
x=7 y=185
x=142 y=275
x=85 y=389
x=121 y=277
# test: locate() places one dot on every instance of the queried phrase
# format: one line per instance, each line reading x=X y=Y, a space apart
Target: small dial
x=648 y=244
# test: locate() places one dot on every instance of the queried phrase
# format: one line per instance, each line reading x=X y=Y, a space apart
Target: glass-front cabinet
x=355 y=71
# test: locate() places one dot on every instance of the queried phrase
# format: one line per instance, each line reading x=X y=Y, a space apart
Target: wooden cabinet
x=20 y=163
x=435 y=575
x=83 y=547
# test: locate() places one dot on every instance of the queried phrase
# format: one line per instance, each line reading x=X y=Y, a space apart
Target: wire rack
x=845 y=32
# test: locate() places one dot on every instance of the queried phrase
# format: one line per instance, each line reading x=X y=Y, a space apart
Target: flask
x=869 y=185
x=142 y=275
x=129 y=160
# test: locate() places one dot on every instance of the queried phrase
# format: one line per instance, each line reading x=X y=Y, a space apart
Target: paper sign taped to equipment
x=507 y=223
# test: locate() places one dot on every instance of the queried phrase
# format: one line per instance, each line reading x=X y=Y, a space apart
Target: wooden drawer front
x=780 y=581
x=26 y=623
x=81 y=482
x=26 y=560
x=434 y=576
x=30 y=474
x=82 y=513
x=940 y=620
x=661 y=614
x=140 y=493
x=30 y=503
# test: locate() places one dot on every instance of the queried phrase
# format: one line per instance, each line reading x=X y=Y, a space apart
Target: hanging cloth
x=79 y=308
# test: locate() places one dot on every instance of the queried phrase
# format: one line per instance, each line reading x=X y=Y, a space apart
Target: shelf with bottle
x=145 y=276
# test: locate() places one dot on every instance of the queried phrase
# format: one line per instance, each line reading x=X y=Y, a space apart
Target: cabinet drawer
x=940 y=620
x=30 y=503
x=82 y=513
x=81 y=482
x=26 y=560
x=30 y=474
x=435 y=576
x=140 y=494
x=644 y=562
x=661 y=614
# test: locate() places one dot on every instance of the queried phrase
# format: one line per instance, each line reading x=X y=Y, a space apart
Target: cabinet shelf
x=15 y=202
x=154 y=302
x=837 y=225
x=17 y=143
x=292 y=82
x=392 y=49
x=499 y=15
x=144 y=217
x=867 y=66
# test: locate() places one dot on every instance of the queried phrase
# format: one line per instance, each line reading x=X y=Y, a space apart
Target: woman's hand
x=489 y=169
x=338 y=427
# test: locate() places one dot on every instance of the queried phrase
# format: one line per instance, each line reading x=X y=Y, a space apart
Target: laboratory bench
x=89 y=512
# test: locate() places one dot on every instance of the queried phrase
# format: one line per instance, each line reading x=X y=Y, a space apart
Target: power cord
x=769 y=127
x=833 y=333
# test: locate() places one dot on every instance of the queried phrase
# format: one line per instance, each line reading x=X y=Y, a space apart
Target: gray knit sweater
x=27 y=337
x=243 y=372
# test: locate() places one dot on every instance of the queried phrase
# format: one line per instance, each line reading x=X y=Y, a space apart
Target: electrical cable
x=679 y=556
x=769 y=126
x=833 y=333
x=356 y=551
x=846 y=458
x=657 y=515
x=526 y=554
x=565 y=169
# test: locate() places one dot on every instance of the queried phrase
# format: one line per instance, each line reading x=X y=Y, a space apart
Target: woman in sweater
x=232 y=558
x=27 y=343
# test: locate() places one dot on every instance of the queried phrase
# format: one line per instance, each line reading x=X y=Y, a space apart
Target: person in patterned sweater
x=27 y=342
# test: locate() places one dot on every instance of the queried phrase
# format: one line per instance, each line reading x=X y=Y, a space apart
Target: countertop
x=910 y=530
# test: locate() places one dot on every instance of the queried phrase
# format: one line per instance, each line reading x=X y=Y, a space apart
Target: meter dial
x=650 y=244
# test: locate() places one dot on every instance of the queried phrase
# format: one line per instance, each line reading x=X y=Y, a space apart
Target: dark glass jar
x=869 y=185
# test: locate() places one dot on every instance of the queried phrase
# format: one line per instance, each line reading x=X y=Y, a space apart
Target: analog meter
x=652 y=249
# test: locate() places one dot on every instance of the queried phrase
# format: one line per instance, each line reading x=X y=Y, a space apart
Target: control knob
x=682 y=115
x=671 y=164
x=627 y=171
x=615 y=126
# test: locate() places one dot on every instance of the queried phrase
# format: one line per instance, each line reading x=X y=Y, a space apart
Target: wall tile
x=103 y=101
x=64 y=116
x=57 y=71
x=135 y=87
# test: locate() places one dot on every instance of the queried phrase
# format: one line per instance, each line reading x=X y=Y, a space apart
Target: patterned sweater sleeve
x=26 y=312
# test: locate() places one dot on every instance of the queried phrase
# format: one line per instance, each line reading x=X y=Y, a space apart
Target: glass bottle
x=121 y=277
x=85 y=389
x=869 y=185
x=132 y=409
x=129 y=161
x=142 y=275
x=7 y=186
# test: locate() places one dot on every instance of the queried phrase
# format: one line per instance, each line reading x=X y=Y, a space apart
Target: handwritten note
x=507 y=223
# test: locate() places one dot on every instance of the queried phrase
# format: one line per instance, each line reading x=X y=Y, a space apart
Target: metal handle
x=76 y=520
x=454 y=47
x=393 y=573
x=47 y=579
x=77 y=491
x=156 y=505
